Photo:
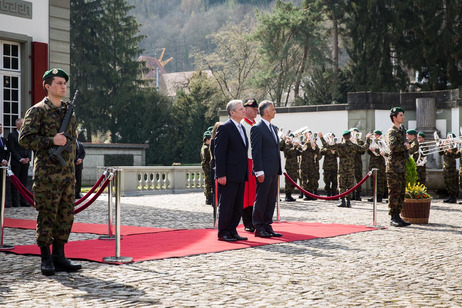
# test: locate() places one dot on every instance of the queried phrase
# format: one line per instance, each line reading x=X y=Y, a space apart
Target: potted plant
x=416 y=207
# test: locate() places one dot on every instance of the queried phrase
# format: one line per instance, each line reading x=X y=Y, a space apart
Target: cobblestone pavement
x=417 y=266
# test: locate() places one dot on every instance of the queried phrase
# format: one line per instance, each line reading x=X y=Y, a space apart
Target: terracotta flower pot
x=416 y=211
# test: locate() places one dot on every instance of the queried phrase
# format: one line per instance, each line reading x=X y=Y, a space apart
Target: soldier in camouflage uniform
x=205 y=162
x=358 y=164
x=377 y=160
x=450 y=172
x=346 y=152
x=309 y=166
x=54 y=184
x=291 y=152
x=396 y=167
x=422 y=169
x=330 y=168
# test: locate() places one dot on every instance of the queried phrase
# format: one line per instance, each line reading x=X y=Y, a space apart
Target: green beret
x=210 y=128
x=451 y=135
x=354 y=129
x=421 y=134
x=207 y=134
x=378 y=132
x=396 y=110
x=411 y=132
x=56 y=72
x=346 y=132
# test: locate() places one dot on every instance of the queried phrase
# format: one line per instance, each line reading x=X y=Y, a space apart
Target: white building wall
x=37 y=27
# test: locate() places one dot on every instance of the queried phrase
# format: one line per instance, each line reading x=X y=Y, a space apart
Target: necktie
x=273 y=131
x=241 y=131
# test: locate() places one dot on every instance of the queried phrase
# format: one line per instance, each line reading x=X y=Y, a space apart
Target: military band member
x=422 y=162
x=377 y=160
x=450 y=172
x=358 y=164
x=396 y=167
x=330 y=168
x=309 y=166
x=291 y=152
x=205 y=163
x=54 y=184
x=411 y=135
x=346 y=151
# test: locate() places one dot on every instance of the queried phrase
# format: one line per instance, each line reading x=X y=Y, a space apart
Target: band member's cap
x=251 y=102
x=346 y=132
x=207 y=134
x=56 y=72
x=210 y=128
x=354 y=129
x=378 y=132
x=411 y=132
x=451 y=135
x=396 y=110
x=421 y=134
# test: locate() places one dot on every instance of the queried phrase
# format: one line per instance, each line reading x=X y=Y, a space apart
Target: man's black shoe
x=274 y=234
x=249 y=229
x=240 y=238
x=227 y=238
x=263 y=234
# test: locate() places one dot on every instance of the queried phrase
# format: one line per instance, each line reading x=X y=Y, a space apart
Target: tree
x=233 y=61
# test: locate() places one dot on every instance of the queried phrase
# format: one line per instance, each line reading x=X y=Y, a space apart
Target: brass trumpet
x=438 y=145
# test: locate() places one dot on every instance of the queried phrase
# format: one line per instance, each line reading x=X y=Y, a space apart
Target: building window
x=10 y=76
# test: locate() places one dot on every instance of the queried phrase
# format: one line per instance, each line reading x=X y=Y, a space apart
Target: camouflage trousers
x=451 y=181
x=55 y=205
x=381 y=180
x=289 y=188
x=208 y=184
x=422 y=174
x=358 y=175
x=346 y=181
x=330 y=178
x=396 y=189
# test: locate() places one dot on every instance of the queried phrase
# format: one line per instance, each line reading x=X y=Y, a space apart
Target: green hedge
x=112 y=160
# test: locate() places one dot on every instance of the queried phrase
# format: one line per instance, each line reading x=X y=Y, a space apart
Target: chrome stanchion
x=117 y=258
x=110 y=234
x=2 y=210
x=374 y=203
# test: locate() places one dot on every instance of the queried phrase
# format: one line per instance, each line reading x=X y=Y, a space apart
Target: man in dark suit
x=231 y=171
x=79 y=157
x=20 y=158
x=4 y=157
x=267 y=168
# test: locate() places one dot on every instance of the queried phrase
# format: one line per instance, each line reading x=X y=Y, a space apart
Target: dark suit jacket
x=265 y=150
x=230 y=153
x=17 y=151
x=79 y=153
x=4 y=150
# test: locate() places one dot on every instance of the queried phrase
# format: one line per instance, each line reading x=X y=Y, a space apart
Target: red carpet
x=181 y=243
x=78 y=227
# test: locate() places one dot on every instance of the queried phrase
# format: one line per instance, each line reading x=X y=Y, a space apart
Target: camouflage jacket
x=398 y=151
x=290 y=154
x=310 y=157
x=376 y=161
x=449 y=159
x=205 y=158
x=41 y=123
x=330 y=159
x=414 y=150
x=359 y=153
x=346 y=152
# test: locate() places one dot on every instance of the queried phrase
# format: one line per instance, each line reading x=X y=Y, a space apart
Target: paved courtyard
x=417 y=266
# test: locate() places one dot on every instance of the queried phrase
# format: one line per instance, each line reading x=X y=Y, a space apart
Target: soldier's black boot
x=348 y=204
x=357 y=196
x=343 y=204
x=307 y=197
x=447 y=199
x=300 y=196
x=289 y=198
x=453 y=199
x=47 y=266
x=379 y=198
x=316 y=193
x=396 y=221
x=208 y=200
x=61 y=263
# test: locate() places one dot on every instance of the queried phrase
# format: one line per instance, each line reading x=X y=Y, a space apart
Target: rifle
x=57 y=150
x=405 y=140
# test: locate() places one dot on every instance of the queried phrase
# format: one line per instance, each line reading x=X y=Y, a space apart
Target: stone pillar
x=426 y=122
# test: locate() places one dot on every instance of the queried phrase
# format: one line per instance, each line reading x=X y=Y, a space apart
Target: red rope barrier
x=23 y=191
x=331 y=197
x=95 y=196
x=105 y=173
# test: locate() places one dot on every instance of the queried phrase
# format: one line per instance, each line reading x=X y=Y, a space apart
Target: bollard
x=374 y=197
x=2 y=210
x=117 y=258
x=110 y=235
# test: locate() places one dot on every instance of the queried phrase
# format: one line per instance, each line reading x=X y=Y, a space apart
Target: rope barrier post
x=110 y=235
x=2 y=210
x=117 y=258
x=277 y=203
x=374 y=197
